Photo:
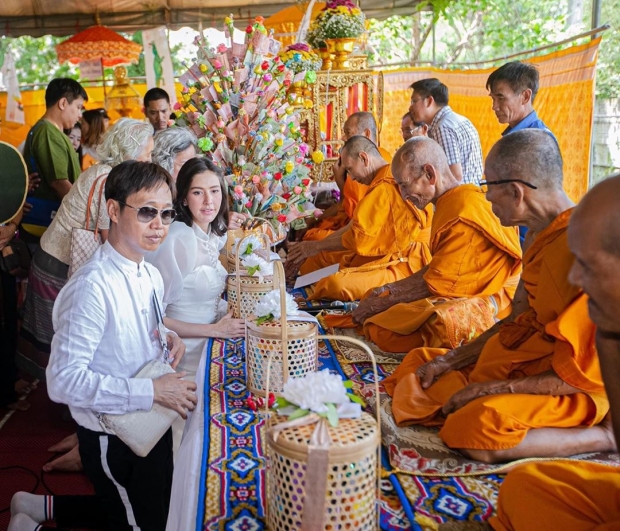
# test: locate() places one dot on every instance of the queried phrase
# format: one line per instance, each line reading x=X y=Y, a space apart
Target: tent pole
x=103 y=79
x=596 y=16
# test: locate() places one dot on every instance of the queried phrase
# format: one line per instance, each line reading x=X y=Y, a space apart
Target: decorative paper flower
x=322 y=393
x=268 y=307
x=257 y=266
x=299 y=57
x=235 y=100
x=318 y=157
x=248 y=245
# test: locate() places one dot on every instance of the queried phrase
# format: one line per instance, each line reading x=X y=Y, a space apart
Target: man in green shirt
x=48 y=152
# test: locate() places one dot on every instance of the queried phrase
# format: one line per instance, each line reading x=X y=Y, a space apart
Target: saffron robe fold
x=387 y=241
x=473 y=275
x=352 y=193
x=571 y=496
x=555 y=333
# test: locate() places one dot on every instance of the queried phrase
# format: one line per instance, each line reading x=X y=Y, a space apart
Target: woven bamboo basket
x=243 y=290
x=292 y=347
x=273 y=235
x=353 y=473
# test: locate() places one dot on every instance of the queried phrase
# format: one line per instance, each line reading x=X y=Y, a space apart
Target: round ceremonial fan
x=13 y=182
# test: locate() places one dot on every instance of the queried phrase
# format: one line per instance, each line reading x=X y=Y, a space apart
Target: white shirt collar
x=124 y=264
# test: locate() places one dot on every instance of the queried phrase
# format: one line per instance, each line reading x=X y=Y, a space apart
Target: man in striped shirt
x=454 y=133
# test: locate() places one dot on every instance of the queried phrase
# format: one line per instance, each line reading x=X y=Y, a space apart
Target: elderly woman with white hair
x=173 y=148
x=127 y=140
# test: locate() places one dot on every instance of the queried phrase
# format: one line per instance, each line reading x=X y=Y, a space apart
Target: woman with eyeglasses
x=127 y=140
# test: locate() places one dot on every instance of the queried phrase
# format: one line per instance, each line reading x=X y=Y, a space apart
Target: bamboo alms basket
x=243 y=290
x=334 y=486
x=291 y=345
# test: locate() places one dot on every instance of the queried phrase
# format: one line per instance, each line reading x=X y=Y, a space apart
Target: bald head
x=414 y=154
x=361 y=123
x=531 y=155
x=360 y=144
x=598 y=215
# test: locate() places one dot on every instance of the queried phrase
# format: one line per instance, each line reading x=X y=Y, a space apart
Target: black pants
x=130 y=491
x=8 y=338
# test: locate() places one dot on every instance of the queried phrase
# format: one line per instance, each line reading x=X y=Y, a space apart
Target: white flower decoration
x=268 y=306
x=249 y=245
x=315 y=390
x=257 y=266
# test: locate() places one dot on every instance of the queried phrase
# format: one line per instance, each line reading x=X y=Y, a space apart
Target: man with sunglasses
x=108 y=324
x=531 y=385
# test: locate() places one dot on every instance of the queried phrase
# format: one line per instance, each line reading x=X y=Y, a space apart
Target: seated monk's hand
x=373 y=302
x=470 y=393
x=432 y=370
x=298 y=252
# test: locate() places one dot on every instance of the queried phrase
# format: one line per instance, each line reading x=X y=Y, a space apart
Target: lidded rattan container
x=336 y=489
x=244 y=291
x=272 y=235
x=290 y=348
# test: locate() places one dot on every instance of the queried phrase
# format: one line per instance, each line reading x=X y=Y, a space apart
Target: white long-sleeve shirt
x=104 y=332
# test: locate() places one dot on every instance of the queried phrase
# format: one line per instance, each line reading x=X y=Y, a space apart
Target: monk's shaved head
x=531 y=155
x=414 y=154
x=360 y=122
x=360 y=144
x=598 y=214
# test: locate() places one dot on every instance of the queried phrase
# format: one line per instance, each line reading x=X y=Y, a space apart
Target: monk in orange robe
x=532 y=383
x=351 y=192
x=386 y=241
x=575 y=496
x=473 y=273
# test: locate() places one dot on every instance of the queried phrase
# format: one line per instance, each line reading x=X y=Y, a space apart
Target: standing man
x=157 y=108
x=454 y=133
x=513 y=88
x=107 y=321
x=48 y=152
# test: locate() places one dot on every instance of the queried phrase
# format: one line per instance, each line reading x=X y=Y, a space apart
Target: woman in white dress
x=188 y=260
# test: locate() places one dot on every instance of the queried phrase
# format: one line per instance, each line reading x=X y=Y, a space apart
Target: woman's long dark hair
x=184 y=182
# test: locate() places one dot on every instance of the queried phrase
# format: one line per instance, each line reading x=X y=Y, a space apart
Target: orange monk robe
x=473 y=257
x=352 y=194
x=555 y=333
x=387 y=241
x=571 y=496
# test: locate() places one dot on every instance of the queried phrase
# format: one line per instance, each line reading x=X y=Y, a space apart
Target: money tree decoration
x=234 y=97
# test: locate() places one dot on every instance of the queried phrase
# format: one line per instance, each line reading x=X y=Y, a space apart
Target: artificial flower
x=269 y=306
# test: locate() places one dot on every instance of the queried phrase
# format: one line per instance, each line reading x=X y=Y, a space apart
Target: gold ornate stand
x=341 y=89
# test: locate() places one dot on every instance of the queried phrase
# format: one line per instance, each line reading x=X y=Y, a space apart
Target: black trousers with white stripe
x=134 y=492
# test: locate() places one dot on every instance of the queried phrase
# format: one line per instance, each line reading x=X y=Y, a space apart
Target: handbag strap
x=90 y=201
x=159 y=315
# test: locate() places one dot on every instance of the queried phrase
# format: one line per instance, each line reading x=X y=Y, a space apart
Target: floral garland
x=339 y=19
x=235 y=99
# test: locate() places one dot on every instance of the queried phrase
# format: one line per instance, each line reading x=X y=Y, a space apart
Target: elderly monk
x=580 y=495
x=351 y=192
x=386 y=240
x=530 y=384
x=475 y=264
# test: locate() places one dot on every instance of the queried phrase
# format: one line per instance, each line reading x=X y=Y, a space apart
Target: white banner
x=158 y=37
x=91 y=70
x=14 y=107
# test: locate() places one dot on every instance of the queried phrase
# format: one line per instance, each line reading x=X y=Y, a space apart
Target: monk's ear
x=365 y=159
x=431 y=173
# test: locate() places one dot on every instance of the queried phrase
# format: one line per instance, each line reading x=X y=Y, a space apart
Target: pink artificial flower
x=221 y=48
x=297 y=190
x=317 y=213
x=217 y=64
x=299 y=47
x=238 y=189
x=281 y=218
x=248 y=204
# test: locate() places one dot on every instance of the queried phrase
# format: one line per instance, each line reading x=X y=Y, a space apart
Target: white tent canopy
x=67 y=17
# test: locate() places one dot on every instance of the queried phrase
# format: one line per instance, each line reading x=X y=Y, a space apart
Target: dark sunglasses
x=484 y=185
x=147 y=214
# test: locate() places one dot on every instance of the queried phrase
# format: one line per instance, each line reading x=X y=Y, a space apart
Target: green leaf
x=357 y=400
x=253 y=269
x=298 y=414
x=283 y=402
x=348 y=384
x=264 y=319
x=332 y=415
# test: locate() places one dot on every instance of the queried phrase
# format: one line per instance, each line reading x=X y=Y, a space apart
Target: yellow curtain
x=565 y=102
